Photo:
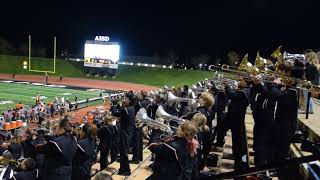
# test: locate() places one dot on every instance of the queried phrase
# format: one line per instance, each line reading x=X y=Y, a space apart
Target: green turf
x=25 y=93
x=135 y=74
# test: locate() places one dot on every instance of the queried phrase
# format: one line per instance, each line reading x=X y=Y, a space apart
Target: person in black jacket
x=85 y=156
x=127 y=122
x=176 y=159
x=239 y=101
x=203 y=136
x=38 y=140
x=106 y=135
x=28 y=170
x=257 y=96
x=59 y=153
x=15 y=148
x=218 y=113
x=137 y=140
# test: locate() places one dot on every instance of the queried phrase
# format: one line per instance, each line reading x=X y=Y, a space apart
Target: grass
x=134 y=74
x=26 y=94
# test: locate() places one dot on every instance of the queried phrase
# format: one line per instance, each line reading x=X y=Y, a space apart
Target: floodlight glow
x=146 y=65
x=170 y=67
x=78 y=59
x=153 y=65
x=200 y=65
x=131 y=64
x=164 y=66
x=139 y=64
x=102 y=51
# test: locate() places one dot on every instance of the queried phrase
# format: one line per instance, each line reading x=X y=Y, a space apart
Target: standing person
x=127 y=122
x=85 y=156
x=218 y=113
x=202 y=135
x=59 y=153
x=137 y=140
x=46 y=78
x=176 y=159
x=76 y=106
x=257 y=97
x=285 y=125
x=239 y=101
x=60 y=78
x=13 y=75
x=312 y=75
x=106 y=135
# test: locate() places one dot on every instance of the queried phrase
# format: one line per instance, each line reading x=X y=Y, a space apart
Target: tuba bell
x=143 y=119
x=177 y=100
x=161 y=113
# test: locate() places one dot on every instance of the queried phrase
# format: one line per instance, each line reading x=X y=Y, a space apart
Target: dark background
x=151 y=27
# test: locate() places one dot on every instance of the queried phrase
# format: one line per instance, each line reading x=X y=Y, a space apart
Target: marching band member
x=105 y=134
x=85 y=156
x=237 y=107
x=60 y=152
x=257 y=96
x=137 y=140
x=218 y=113
x=28 y=170
x=270 y=105
x=286 y=114
x=176 y=159
x=127 y=123
x=203 y=137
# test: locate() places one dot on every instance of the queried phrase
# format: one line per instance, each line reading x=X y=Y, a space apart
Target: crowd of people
x=38 y=112
x=67 y=151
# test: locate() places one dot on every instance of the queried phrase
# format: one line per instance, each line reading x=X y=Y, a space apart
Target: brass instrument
x=161 y=113
x=171 y=98
x=143 y=119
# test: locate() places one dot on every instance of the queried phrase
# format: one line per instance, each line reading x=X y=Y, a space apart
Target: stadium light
x=25 y=64
x=185 y=68
x=153 y=65
x=146 y=65
x=139 y=64
x=131 y=64
x=78 y=59
x=164 y=66
x=170 y=67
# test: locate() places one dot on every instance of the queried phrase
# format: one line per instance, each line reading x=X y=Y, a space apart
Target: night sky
x=149 y=27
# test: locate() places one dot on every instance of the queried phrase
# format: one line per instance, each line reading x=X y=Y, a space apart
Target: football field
x=24 y=92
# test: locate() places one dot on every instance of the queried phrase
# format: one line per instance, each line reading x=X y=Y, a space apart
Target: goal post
x=54 y=57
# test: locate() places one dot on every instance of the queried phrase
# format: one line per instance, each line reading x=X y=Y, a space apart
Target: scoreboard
x=101 y=53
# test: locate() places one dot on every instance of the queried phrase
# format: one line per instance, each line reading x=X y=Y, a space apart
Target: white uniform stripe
x=56 y=145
